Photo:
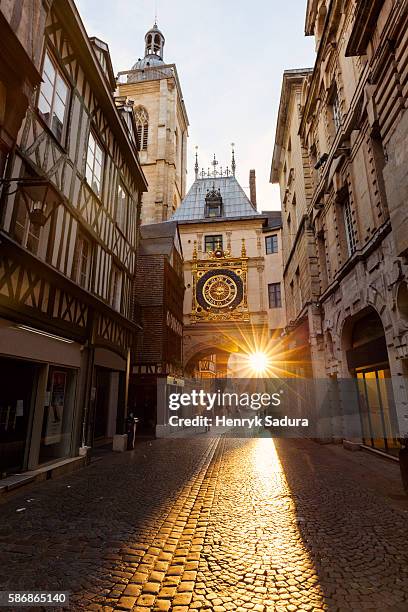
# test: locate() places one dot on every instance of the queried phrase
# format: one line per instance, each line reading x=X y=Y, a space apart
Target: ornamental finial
x=195 y=250
x=233 y=166
x=243 y=249
x=214 y=164
x=196 y=163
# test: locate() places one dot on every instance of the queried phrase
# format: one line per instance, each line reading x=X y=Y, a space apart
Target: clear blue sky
x=230 y=56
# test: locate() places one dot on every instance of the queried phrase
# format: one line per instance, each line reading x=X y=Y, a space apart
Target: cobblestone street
x=214 y=524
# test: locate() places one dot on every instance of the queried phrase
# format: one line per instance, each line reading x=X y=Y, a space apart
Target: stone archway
x=199 y=341
x=362 y=339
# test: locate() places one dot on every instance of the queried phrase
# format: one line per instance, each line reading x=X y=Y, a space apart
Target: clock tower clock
x=220 y=286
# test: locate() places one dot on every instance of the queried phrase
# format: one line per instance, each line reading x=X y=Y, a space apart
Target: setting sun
x=258 y=362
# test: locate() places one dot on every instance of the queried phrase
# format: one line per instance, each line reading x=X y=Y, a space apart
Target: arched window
x=142 y=124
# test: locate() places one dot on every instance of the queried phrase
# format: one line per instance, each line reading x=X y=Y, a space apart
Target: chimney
x=252 y=188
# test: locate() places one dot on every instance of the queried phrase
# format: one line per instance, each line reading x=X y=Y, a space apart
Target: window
x=213 y=242
x=336 y=111
x=299 y=288
x=271 y=244
x=94 y=163
x=81 y=264
x=28 y=234
x=142 y=125
x=213 y=203
x=122 y=205
x=25 y=232
x=274 y=294
x=321 y=247
x=53 y=98
x=115 y=288
x=348 y=226
x=213 y=209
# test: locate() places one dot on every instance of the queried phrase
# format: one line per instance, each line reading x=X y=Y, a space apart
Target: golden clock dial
x=220 y=291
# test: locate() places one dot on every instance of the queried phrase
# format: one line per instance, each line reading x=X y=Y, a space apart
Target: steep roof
x=235 y=203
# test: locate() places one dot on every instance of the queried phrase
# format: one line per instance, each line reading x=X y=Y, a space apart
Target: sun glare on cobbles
x=257 y=555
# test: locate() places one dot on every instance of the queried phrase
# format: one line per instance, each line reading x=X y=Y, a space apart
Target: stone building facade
x=339 y=159
x=162 y=123
x=70 y=207
x=233 y=300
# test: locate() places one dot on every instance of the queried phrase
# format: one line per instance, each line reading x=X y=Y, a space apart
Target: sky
x=230 y=57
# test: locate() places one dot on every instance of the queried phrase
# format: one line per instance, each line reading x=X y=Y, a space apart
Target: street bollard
x=131 y=430
x=403 y=460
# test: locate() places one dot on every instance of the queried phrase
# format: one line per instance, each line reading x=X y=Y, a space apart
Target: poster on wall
x=56 y=401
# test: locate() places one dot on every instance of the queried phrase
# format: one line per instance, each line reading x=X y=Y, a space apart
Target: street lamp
x=39 y=196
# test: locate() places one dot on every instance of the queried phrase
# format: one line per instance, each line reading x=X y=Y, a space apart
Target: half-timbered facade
x=21 y=39
x=70 y=208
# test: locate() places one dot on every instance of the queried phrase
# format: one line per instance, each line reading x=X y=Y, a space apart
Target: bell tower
x=162 y=127
x=154 y=40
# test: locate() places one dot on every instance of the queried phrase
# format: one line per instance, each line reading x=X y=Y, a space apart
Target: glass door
x=378 y=419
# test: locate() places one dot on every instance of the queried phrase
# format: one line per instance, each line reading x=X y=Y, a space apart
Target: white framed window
x=94 y=164
x=348 y=226
x=53 y=97
x=81 y=265
x=115 y=287
x=122 y=205
x=142 y=125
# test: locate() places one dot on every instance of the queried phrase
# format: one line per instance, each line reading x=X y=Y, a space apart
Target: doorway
x=18 y=383
x=368 y=363
x=108 y=401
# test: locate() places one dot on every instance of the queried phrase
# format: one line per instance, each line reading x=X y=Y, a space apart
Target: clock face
x=218 y=289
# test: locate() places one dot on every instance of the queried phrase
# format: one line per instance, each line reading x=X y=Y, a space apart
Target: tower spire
x=233 y=166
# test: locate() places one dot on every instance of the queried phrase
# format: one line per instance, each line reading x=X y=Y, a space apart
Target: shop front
x=39 y=397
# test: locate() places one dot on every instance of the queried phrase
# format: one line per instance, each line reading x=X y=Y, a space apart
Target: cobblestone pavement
x=210 y=524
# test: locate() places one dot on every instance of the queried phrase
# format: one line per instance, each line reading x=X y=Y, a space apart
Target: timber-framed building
x=70 y=209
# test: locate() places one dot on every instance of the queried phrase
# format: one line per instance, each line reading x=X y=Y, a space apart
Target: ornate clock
x=219 y=287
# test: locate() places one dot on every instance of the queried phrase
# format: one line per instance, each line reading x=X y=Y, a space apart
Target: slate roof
x=274 y=219
x=158 y=238
x=235 y=203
